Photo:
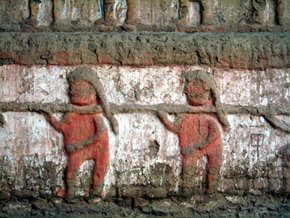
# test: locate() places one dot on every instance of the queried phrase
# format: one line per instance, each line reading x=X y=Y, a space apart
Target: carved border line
x=267 y=112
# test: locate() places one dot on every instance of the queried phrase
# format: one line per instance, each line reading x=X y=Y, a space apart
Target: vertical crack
x=52 y=13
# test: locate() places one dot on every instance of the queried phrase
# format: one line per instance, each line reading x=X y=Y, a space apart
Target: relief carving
x=120 y=11
x=258 y=12
x=85 y=135
x=199 y=134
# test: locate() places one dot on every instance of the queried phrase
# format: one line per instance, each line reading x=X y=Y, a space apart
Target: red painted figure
x=85 y=137
x=199 y=134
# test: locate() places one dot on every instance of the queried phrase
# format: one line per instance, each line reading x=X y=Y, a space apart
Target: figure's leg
x=102 y=159
x=189 y=162
x=75 y=160
x=214 y=162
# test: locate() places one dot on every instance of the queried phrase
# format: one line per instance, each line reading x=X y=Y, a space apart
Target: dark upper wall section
x=145 y=15
x=222 y=50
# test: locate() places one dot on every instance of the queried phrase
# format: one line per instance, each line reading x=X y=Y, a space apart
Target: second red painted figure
x=199 y=134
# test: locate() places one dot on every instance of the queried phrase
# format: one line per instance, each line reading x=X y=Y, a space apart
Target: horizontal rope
x=127 y=108
x=268 y=113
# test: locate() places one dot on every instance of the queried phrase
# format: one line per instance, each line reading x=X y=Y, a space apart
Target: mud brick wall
x=143 y=55
x=141 y=15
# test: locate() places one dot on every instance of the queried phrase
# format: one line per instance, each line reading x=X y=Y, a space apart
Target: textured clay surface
x=145 y=15
x=227 y=50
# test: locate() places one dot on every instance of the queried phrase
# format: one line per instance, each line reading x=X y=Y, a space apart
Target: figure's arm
x=172 y=126
x=53 y=121
x=100 y=126
x=214 y=133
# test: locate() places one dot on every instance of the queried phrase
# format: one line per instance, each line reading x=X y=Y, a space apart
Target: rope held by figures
x=268 y=113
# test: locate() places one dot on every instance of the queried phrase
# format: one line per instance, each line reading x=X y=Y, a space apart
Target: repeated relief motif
x=86 y=135
x=199 y=125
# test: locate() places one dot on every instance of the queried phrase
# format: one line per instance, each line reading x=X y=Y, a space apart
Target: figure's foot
x=71 y=200
x=86 y=193
x=208 y=191
x=96 y=199
x=197 y=198
x=61 y=193
x=57 y=200
x=99 y=194
x=211 y=190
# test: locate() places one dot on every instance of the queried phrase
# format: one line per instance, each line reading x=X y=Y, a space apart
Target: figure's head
x=86 y=89
x=198 y=93
x=81 y=92
x=199 y=88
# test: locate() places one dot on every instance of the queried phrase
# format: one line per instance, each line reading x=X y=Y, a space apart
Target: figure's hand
x=162 y=115
x=69 y=149
x=45 y=114
x=42 y=112
x=51 y=120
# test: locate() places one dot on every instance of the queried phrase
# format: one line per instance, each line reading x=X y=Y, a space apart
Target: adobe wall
x=140 y=57
x=140 y=15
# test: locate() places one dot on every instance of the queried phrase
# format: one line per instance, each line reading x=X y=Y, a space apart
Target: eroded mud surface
x=198 y=206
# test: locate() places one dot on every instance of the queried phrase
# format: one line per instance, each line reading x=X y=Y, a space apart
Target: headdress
x=210 y=81
x=88 y=75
